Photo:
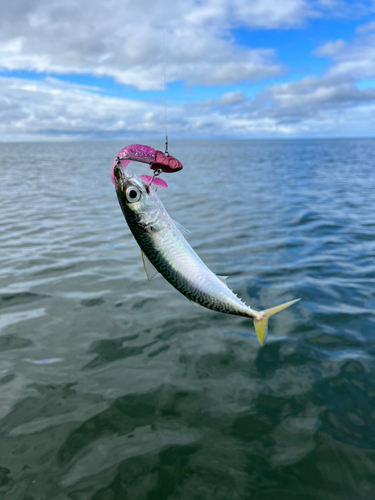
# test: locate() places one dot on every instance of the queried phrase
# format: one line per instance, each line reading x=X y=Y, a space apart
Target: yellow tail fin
x=261 y=324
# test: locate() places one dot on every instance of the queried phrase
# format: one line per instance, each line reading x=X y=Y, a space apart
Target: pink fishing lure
x=144 y=154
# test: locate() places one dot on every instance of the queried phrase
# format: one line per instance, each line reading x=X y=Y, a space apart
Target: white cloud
x=252 y=13
x=123 y=39
x=208 y=103
x=330 y=48
x=231 y=98
x=326 y=92
x=356 y=62
x=51 y=109
x=331 y=104
x=366 y=27
x=351 y=61
x=271 y=14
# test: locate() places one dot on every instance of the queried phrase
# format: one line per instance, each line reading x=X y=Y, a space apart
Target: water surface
x=113 y=387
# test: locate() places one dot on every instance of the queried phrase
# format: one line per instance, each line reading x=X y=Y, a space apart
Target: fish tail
x=261 y=322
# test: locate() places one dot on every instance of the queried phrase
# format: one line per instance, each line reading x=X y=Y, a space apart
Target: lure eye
x=132 y=194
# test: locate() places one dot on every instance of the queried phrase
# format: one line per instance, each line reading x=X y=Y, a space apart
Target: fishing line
x=165 y=79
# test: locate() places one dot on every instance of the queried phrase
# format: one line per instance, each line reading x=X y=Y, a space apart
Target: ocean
x=113 y=387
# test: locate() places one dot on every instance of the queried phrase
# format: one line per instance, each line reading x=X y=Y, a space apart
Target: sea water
x=114 y=387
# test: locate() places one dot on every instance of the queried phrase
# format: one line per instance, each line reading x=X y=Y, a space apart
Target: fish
x=165 y=250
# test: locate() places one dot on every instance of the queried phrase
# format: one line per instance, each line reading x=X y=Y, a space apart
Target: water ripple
x=114 y=387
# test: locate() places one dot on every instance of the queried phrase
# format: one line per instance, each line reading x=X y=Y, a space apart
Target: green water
x=113 y=387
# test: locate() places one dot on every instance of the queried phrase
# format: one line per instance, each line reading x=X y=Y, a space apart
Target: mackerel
x=166 y=251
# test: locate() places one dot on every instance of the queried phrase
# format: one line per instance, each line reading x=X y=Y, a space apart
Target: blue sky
x=234 y=69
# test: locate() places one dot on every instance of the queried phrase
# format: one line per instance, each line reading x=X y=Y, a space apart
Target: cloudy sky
x=88 y=69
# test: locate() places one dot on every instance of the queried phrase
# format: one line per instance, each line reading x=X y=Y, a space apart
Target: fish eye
x=132 y=194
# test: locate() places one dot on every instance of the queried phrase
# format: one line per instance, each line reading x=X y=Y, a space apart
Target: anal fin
x=194 y=303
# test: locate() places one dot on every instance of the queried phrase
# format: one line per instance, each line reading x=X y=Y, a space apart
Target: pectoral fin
x=182 y=229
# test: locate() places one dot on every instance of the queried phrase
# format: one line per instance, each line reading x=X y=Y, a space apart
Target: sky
x=235 y=69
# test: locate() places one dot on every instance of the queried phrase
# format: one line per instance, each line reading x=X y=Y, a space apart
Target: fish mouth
x=121 y=176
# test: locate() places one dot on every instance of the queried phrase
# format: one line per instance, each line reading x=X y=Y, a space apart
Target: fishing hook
x=156 y=174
